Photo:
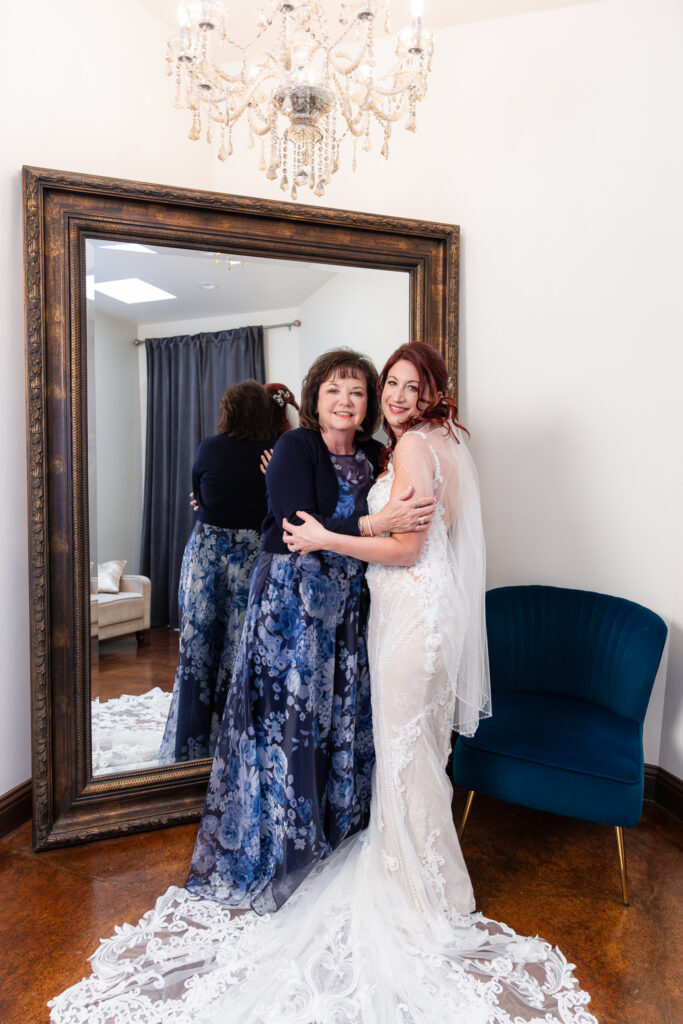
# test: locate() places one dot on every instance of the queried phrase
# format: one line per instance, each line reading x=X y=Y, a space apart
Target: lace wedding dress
x=383 y=931
x=127 y=731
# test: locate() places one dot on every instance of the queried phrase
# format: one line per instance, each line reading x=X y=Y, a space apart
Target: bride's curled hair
x=432 y=375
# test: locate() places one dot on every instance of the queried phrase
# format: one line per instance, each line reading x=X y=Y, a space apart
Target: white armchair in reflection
x=126 y=612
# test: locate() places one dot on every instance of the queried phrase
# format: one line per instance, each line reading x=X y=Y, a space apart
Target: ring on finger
x=421 y=521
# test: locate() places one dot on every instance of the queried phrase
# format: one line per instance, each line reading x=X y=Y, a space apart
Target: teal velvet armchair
x=571 y=677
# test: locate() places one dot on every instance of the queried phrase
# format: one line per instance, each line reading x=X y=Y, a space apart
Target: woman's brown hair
x=245 y=412
x=432 y=374
x=340 y=363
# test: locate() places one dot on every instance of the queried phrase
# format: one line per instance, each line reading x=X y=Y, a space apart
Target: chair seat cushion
x=561 y=732
x=121 y=607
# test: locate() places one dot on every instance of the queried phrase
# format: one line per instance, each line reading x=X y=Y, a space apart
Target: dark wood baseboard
x=15 y=807
x=651 y=771
x=664 y=789
x=661 y=786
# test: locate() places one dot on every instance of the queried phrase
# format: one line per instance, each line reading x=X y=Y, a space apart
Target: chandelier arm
x=321 y=41
x=318 y=32
x=249 y=88
x=354 y=121
x=224 y=77
x=244 y=94
x=354 y=125
x=267 y=123
x=398 y=90
x=345 y=106
x=345 y=32
x=355 y=64
x=357 y=132
x=260 y=31
x=386 y=117
x=229 y=41
x=233 y=114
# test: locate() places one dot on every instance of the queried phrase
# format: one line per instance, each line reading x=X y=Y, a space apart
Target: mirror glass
x=136 y=293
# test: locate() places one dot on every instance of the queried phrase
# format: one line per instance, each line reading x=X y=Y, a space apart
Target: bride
x=384 y=931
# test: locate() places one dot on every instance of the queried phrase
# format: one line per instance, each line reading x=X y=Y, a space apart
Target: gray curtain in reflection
x=186 y=377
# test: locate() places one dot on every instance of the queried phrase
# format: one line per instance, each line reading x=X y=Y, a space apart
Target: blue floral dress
x=293 y=763
x=212 y=602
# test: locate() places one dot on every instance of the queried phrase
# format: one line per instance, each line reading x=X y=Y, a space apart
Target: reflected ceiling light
x=314 y=84
x=208 y=286
x=132 y=289
x=128 y=247
x=229 y=261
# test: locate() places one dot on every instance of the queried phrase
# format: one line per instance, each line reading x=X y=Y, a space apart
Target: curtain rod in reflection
x=266 y=327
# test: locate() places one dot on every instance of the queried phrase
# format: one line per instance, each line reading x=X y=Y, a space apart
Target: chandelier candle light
x=305 y=94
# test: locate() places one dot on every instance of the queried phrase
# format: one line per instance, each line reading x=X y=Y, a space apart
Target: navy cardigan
x=301 y=477
x=228 y=483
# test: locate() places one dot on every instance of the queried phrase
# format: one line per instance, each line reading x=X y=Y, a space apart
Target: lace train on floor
x=372 y=935
x=333 y=954
x=127 y=731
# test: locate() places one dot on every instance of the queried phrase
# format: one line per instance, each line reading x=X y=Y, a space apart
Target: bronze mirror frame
x=61 y=209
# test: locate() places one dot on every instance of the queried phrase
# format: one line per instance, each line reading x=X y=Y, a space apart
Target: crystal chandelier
x=311 y=85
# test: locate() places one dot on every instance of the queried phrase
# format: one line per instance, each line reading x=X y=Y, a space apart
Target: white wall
x=119 y=444
x=554 y=140
x=366 y=310
x=90 y=96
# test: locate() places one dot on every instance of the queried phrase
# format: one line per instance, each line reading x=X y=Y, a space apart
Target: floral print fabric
x=212 y=602
x=293 y=763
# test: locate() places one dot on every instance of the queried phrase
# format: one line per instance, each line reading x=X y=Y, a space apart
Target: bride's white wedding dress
x=382 y=932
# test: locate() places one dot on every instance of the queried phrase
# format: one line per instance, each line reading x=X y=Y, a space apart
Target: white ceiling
x=261 y=284
x=437 y=13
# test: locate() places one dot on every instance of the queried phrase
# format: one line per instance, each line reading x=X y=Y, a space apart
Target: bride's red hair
x=432 y=375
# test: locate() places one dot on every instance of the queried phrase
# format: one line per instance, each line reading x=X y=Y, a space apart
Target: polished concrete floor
x=541 y=874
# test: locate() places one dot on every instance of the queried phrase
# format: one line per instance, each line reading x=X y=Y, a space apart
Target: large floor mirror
x=115 y=269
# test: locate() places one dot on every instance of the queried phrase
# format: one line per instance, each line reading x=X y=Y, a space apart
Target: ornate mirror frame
x=60 y=210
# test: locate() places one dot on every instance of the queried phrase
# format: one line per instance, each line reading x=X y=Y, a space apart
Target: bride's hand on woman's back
x=309 y=536
x=405 y=513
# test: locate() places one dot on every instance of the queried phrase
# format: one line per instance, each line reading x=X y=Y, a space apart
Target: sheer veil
x=466 y=535
x=447 y=470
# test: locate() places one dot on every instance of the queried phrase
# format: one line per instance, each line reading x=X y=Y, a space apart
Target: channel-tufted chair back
x=574 y=642
x=571 y=677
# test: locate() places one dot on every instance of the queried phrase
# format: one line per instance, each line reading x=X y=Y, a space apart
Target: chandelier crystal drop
x=310 y=86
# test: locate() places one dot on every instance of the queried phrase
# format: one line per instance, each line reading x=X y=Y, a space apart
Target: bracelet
x=360 y=527
x=367 y=520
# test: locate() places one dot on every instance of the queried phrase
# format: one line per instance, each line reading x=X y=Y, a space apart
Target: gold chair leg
x=466 y=813
x=622 y=865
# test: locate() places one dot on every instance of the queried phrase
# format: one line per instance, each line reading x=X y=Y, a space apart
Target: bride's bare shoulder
x=414 y=449
x=416 y=443
x=411 y=440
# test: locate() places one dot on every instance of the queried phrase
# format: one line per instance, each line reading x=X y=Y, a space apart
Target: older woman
x=294 y=758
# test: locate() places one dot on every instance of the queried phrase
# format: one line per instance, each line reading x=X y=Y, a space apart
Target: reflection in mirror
x=147 y=416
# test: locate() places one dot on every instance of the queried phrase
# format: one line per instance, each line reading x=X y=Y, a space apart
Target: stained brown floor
x=541 y=874
x=122 y=665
